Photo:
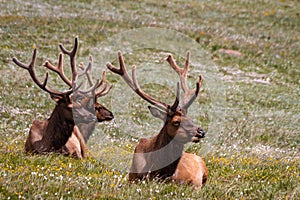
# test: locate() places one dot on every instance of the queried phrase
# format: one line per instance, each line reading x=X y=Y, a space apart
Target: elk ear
x=158 y=113
x=56 y=98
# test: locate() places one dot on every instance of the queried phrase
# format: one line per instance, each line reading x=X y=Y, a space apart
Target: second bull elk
x=76 y=145
x=102 y=113
x=161 y=156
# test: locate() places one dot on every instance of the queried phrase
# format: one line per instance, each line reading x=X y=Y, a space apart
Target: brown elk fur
x=191 y=169
x=51 y=134
x=161 y=156
x=59 y=133
x=76 y=145
x=163 y=151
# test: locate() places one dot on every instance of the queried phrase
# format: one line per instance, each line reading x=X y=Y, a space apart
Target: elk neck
x=60 y=127
x=164 y=139
x=170 y=152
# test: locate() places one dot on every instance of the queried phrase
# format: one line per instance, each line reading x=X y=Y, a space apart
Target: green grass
x=252 y=143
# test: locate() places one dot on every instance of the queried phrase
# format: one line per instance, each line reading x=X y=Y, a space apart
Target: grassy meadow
x=249 y=103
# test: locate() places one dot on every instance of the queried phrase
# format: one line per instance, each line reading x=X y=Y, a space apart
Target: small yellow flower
x=266 y=13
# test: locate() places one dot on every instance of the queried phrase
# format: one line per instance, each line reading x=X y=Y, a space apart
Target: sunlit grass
x=238 y=175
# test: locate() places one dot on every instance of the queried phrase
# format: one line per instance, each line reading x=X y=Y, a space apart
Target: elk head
x=102 y=113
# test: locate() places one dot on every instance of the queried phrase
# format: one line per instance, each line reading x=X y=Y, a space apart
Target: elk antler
x=59 y=69
x=189 y=94
x=87 y=71
x=32 y=73
x=71 y=54
x=133 y=83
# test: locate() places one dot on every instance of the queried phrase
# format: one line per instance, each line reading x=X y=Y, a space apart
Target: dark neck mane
x=168 y=154
x=58 y=131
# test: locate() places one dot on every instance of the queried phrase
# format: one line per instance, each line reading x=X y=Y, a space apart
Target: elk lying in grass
x=59 y=133
x=76 y=145
x=51 y=134
x=102 y=113
x=161 y=156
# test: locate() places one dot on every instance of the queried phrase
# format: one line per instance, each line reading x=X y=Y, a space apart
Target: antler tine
x=145 y=96
x=92 y=88
x=31 y=70
x=181 y=72
x=122 y=71
x=104 y=91
x=133 y=83
x=176 y=103
x=87 y=71
x=59 y=69
x=103 y=75
x=71 y=54
x=195 y=94
x=189 y=94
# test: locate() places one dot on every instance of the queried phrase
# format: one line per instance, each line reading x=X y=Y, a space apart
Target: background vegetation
x=254 y=156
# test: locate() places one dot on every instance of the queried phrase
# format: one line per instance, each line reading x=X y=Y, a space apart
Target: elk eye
x=176 y=123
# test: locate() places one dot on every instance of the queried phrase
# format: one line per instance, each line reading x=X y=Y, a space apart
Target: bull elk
x=191 y=168
x=76 y=145
x=51 y=134
x=102 y=113
x=161 y=156
x=59 y=130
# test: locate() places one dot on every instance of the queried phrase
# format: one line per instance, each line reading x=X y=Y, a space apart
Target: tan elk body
x=191 y=169
x=161 y=156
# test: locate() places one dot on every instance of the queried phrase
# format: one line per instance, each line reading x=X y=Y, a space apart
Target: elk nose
x=110 y=116
x=200 y=133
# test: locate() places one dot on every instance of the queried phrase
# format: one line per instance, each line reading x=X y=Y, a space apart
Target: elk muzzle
x=102 y=113
x=199 y=134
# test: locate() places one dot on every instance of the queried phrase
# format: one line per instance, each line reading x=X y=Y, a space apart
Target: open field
x=247 y=51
